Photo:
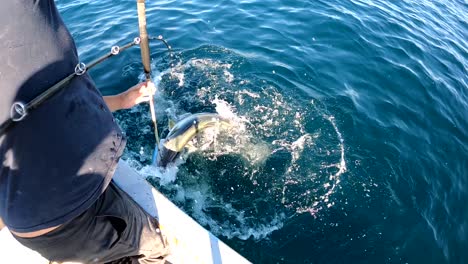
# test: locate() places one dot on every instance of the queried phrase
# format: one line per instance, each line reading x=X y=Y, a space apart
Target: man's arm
x=113 y=102
x=139 y=93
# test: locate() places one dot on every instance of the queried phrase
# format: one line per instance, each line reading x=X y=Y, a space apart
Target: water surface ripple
x=352 y=144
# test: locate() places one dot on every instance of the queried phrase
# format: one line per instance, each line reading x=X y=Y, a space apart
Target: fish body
x=182 y=132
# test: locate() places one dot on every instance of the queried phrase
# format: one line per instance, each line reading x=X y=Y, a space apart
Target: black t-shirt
x=58 y=160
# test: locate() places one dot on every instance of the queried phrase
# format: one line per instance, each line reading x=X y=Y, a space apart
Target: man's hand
x=139 y=93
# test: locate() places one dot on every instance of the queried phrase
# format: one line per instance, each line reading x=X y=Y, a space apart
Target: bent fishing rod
x=19 y=110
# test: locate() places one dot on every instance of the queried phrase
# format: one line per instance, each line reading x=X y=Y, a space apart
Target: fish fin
x=171 y=124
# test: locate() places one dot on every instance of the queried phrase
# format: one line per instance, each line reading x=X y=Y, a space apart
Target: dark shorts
x=113 y=228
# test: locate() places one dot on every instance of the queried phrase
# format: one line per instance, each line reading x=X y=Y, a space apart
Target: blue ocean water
x=352 y=145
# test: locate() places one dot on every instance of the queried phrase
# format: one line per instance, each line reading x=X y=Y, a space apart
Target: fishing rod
x=145 y=59
x=19 y=110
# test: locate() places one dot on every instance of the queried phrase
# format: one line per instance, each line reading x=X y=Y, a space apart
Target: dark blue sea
x=350 y=142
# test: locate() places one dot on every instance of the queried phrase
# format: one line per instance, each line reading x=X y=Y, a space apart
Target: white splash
x=166 y=176
x=334 y=180
x=264 y=114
